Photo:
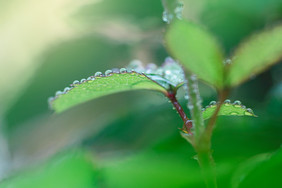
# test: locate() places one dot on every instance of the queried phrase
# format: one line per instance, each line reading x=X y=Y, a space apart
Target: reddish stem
x=171 y=95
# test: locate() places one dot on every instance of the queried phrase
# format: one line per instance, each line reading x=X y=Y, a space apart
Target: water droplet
x=50 y=99
x=66 y=89
x=196 y=157
x=227 y=101
x=190 y=106
x=237 y=102
x=136 y=65
x=186 y=97
x=167 y=17
x=193 y=77
x=59 y=93
x=98 y=74
x=82 y=80
x=213 y=103
x=227 y=62
x=178 y=10
x=167 y=72
x=115 y=70
x=108 y=72
x=234 y=113
x=249 y=110
x=89 y=78
x=168 y=60
x=151 y=66
x=75 y=82
x=244 y=107
x=123 y=70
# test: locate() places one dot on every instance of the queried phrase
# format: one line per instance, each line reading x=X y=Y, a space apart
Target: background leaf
x=228 y=109
x=100 y=86
x=197 y=50
x=72 y=169
x=267 y=173
x=255 y=55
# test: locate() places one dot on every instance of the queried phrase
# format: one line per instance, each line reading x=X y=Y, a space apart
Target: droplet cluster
x=227 y=62
x=236 y=104
x=77 y=82
x=170 y=73
x=172 y=12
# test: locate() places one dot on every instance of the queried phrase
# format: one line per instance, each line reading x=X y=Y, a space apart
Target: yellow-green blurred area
x=129 y=139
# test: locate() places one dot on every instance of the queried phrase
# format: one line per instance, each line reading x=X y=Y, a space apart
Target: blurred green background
x=128 y=139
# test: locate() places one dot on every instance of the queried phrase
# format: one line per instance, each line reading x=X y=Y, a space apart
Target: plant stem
x=209 y=129
x=171 y=95
x=195 y=104
x=203 y=146
x=207 y=165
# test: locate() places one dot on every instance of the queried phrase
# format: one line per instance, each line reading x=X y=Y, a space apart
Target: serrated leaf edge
x=98 y=75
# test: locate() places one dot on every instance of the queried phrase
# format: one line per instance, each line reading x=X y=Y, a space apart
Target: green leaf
x=255 y=55
x=246 y=167
x=170 y=74
x=264 y=174
x=228 y=109
x=197 y=50
x=72 y=170
x=100 y=85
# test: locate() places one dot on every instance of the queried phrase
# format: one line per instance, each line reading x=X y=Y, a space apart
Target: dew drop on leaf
x=178 y=10
x=237 y=103
x=75 y=82
x=98 y=74
x=227 y=101
x=249 y=110
x=59 y=93
x=123 y=70
x=66 y=89
x=213 y=103
x=108 y=72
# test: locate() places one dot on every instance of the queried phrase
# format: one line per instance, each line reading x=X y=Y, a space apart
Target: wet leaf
x=136 y=76
x=197 y=50
x=102 y=85
x=228 y=109
x=255 y=55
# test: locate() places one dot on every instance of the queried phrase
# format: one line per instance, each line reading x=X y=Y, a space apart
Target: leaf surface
x=255 y=55
x=99 y=86
x=197 y=50
x=228 y=109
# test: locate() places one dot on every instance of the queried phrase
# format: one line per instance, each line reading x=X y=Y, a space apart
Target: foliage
x=133 y=135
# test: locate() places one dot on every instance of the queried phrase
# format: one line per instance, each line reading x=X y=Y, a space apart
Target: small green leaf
x=101 y=85
x=228 y=109
x=255 y=55
x=197 y=50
